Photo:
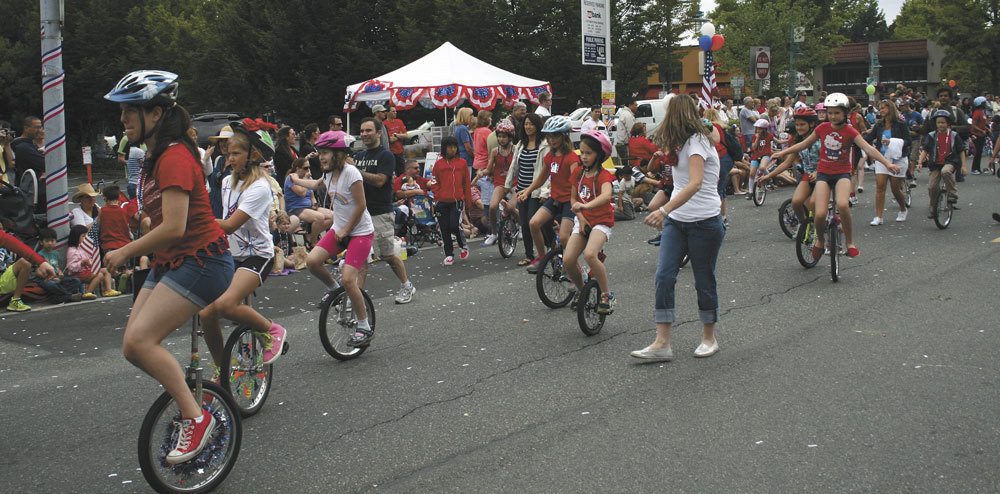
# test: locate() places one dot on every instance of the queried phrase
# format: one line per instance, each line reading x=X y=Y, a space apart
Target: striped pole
x=54 y=119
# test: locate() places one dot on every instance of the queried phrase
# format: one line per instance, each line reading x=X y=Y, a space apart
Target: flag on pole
x=708 y=82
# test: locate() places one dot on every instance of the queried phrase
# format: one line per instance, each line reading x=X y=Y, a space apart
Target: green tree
x=747 y=23
x=865 y=21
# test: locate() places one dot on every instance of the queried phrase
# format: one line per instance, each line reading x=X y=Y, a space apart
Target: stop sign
x=763 y=64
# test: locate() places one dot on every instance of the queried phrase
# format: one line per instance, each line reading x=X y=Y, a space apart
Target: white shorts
x=606 y=230
x=903 y=164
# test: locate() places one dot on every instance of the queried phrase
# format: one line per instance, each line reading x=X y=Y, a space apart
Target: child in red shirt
x=591 y=203
x=834 y=168
x=760 y=151
x=451 y=187
x=114 y=220
x=560 y=162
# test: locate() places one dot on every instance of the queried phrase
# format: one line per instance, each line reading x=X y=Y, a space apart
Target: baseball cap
x=378 y=108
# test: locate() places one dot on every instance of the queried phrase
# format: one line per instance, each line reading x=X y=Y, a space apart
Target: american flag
x=708 y=82
x=89 y=245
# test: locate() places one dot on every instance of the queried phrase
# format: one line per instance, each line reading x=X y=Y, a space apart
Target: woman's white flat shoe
x=704 y=350
x=654 y=355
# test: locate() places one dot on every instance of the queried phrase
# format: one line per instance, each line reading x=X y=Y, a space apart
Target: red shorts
x=358 y=248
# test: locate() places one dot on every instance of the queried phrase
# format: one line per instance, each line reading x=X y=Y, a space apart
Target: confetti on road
x=759 y=442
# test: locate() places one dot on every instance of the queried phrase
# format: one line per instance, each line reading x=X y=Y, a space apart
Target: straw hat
x=84 y=190
x=225 y=133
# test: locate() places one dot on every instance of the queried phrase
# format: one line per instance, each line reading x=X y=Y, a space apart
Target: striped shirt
x=526 y=167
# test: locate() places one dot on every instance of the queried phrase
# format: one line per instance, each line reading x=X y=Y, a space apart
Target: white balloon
x=708 y=29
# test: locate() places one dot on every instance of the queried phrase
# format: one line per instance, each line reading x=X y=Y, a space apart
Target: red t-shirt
x=979 y=122
x=587 y=189
x=943 y=147
x=835 y=148
x=501 y=164
x=395 y=126
x=642 y=148
x=114 y=228
x=762 y=146
x=720 y=147
x=481 y=154
x=559 y=169
x=176 y=167
x=397 y=183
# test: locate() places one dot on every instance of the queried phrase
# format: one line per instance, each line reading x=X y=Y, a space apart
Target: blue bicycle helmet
x=979 y=101
x=557 y=125
x=145 y=88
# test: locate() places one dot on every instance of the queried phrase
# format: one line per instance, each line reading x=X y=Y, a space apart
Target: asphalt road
x=884 y=382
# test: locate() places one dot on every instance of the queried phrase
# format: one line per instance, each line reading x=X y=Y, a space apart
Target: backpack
x=733 y=147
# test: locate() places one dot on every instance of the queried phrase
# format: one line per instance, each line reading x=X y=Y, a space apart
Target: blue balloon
x=705 y=42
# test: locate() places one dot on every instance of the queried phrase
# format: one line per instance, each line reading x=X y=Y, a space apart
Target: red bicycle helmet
x=805 y=113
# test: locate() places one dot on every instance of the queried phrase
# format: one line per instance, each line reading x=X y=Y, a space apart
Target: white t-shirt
x=253 y=238
x=705 y=203
x=626 y=119
x=591 y=124
x=343 y=202
x=541 y=110
x=80 y=217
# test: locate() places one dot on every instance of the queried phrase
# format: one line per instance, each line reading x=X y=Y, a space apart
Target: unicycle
x=509 y=231
x=245 y=375
x=337 y=321
x=759 y=190
x=942 y=207
x=787 y=219
x=161 y=427
x=553 y=286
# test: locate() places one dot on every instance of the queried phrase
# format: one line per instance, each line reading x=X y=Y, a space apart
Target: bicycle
x=243 y=372
x=942 y=206
x=509 y=231
x=335 y=335
x=161 y=426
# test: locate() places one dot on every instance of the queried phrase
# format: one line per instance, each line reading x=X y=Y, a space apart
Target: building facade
x=913 y=63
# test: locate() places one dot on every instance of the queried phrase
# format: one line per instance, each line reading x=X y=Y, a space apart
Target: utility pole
x=54 y=118
x=798 y=36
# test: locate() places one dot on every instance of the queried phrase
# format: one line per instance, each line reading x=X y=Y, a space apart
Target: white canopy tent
x=445 y=78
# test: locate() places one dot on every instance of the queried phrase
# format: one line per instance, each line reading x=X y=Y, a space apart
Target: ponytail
x=172 y=128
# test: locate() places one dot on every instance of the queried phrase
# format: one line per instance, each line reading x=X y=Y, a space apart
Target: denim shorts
x=200 y=279
x=832 y=180
x=559 y=210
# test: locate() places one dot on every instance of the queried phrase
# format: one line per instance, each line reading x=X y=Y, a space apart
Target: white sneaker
x=901 y=216
x=490 y=240
x=876 y=221
x=448 y=261
x=405 y=294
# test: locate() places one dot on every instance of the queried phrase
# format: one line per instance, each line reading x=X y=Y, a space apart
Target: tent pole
x=446 y=116
x=348 y=128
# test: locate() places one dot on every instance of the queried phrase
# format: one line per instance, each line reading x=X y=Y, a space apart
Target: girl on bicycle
x=834 y=168
x=496 y=170
x=352 y=229
x=559 y=164
x=590 y=202
x=691 y=224
x=246 y=203
x=191 y=263
x=760 y=150
x=807 y=159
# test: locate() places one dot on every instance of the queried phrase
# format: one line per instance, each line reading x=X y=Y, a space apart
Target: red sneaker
x=853 y=252
x=191 y=438
x=463 y=254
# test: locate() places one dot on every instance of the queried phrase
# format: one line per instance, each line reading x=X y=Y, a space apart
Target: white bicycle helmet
x=762 y=123
x=145 y=88
x=557 y=124
x=837 y=99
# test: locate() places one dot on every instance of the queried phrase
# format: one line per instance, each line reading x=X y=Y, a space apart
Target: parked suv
x=209 y=124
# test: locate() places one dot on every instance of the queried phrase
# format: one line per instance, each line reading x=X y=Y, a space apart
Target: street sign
x=736 y=81
x=799 y=34
x=596 y=28
x=760 y=61
x=608 y=93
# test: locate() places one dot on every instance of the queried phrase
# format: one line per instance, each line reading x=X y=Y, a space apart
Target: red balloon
x=717 y=42
x=951 y=83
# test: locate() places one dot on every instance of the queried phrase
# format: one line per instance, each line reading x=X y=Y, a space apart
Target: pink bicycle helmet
x=506 y=127
x=820 y=107
x=600 y=138
x=332 y=139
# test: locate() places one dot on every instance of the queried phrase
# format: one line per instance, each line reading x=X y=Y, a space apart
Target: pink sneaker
x=191 y=438
x=272 y=348
x=463 y=254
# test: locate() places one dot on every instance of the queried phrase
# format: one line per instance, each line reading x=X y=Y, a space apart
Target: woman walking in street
x=529 y=161
x=692 y=225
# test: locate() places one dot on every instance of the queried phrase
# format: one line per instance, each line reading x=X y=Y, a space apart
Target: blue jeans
x=726 y=164
x=701 y=240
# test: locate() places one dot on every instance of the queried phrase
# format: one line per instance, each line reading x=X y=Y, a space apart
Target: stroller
x=421 y=226
x=17 y=208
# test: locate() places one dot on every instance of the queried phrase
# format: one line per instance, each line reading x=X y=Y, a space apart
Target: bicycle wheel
x=759 y=193
x=507 y=240
x=942 y=210
x=337 y=323
x=832 y=244
x=787 y=219
x=907 y=196
x=245 y=375
x=805 y=239
x=207 y=470
x=554 y=288
x=586 y=310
